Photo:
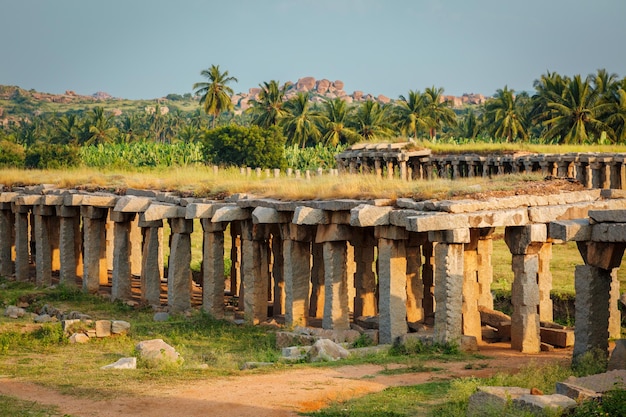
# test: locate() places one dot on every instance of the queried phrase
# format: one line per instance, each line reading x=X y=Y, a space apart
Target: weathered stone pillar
x=255 y=271
x=544 y=279
x=70 y=244
x=121 y=273
x=484 y=251
x=364 y=278
x=110 y=237
x=179 y=265
x=392 y=283
x=471 y=289
x=276 y=272
x=22 y=241
x=351 y=275
x=414 y=282
x=43 y=251
x=235 y=257
x=524 y=242
x=403 y=170
x=136 y=240
x=449 y=263
x=297 y=271
x=389 y=170
x=378 y=168
x=151 y=260
x=213 y=268
x=336 y=311
x=428 y=277
x=7 y=231
x=94 y=241
x=615 y=316
x=316 y=304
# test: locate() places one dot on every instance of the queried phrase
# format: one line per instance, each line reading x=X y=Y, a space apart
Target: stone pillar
x=414 y=282
x=277 y=272
x=524 y=242
x=136 y=240
x=110 y=237
x=179 y=265
x=151 y=260
x=428 y=277
x=389 y=170
x=121 y=273
x=392 y=283
x=235 y=257
x=296 y=242
x=593 y=286
x=351 y=276
x=484 y=251
x=255 y=271
x=213 y=268
x=43 y=251
x=316 y=304
x=94 y=241
x=544 y=279
x=70 y=244
x=22 y=242
x=378 y=168
x=403 y=170
x=471 y=289
x=449 y=263
x=615 y=316
x=364 y=278
x=336 y=311
x=7 y=228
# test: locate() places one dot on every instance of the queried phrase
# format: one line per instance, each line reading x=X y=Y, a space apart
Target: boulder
x=123 y=363
x=43 y=318
x=338 y=84
x=325 y=350
x=120 y=327
x=14 y=312
x=488 y=399
x=305 y=84
x=156 y=350
x=544 y=404
x=322 y=86
x=79 y=338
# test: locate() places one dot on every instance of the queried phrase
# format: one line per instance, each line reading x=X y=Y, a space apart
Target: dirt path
x=279 y=394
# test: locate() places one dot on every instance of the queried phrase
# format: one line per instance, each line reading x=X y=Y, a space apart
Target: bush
x=11 y=154
x=253 y=146
x=52 y=156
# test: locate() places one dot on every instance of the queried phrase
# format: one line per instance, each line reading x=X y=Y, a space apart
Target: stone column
x=471 y=288
x=316 y=306
x=297 y=271
x=255 y=271
x=22 y=241
x=403 y=170
x=70 y=244
x=235 y=257
x=213 y=268
x=336 y=311
x=43 y=251
x=151 y=260
x=544 y=279
x=94 y=241
x=449 y=263
x=7 y=231
x=121 y=273
x=414 y=282
x=179 y=265
x=378 y=168
x=484 y=251
x=428 y=277
x=525 y=242
x=615 y=316
x=277 y=271
x=392 y=283
x=110 y=237
x=136 y=240
x=364 y=278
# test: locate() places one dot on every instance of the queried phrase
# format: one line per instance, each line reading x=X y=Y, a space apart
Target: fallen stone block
x=67 y=324
x=592 y=386
x=326 y=350
x=120 y=327
x=545 y=347
x=287 y=339
x=79 y=338
x=123 y=363
x=14 y=312
x=493 y=399
x=468 y=344
x=538 y=404
x=557 y=337
x=161 y=316
x=295 y=352
x=103 y=328
x=156 y=350
x=44 y=318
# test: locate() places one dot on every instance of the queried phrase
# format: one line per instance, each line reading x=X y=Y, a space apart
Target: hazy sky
x=149 y=48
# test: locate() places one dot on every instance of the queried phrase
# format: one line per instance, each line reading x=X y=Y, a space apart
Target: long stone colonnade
x=331 y=261
x=594 y=170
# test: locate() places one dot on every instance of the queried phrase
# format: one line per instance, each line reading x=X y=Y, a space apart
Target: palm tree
x=409 y=115
x=335 y=123
x=616 y=118
x=67 y=129
x=215 y=93
x=504 y=115
x=100 y=127
x=300 y=123
x=371 y=121
x=575 y=115
x=268 y=109
x=438 y=110
x=548 y=88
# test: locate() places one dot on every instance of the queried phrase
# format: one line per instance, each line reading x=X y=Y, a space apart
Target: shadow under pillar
x=414 y=281
x=365 y=302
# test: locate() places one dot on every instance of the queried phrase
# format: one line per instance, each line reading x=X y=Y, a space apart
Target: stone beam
x=333 y=233
x=132 y=204
x=230 y=214
x=608 y=232
x=267 y=215
x=450 y=236
x=310 y=216
x=163 y=211
x=602 y=254
x=433 y=222
x=367 y=215
x=570 y=230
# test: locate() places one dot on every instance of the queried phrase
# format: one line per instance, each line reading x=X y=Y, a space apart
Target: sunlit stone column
x=255 y=271
x=179 y=265
x=94 y=241
x=7 y=231
x=70 y=244
x=152 y=267
x=213 y=268
x=296 y=241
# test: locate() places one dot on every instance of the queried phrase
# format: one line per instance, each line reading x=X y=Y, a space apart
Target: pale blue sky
x=149 y=48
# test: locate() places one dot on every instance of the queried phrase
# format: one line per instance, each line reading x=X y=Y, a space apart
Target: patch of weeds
x=11 y=406
x=415 y=347
x=49 y=334
x=364 y=340
x=612 y=403
x=592 y=362
x=417 y=368
x=8 y=341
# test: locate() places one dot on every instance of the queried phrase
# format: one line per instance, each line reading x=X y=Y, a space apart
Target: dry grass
x=203 y=182
x=485 y=148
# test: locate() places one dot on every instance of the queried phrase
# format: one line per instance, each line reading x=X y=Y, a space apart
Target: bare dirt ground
x=277 y=394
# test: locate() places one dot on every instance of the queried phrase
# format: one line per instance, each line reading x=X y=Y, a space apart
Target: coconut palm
x=335 y=123
x=438 y=110
x=371 y=121
x=409 y=114
x=215 y=93
x=101 y=128
x=616 y=118
x=505 y=116
x=67 y=129
x=300 y=123
x=267 y=110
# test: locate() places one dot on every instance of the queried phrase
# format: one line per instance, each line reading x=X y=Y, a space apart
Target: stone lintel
x=450 y=236
x=390 y=233
x=148 y=223
x=92 y=212
x=608 y=232
x=400 y=217
x=120 y=217
x=201 y=210
x=297 y=232
x=181 y=225
x=333 y=233
x=366 y=215
x=209 y=226
x=498 y=218
x=270 y=215
x=44 y=210
x=132 y=204
x=8 y=197
x=29 y=200
x=570 y=230
x=230 y=213
x=104 y=201
x=72 y=199
x=310 y=216
x=436 y=221
x=525 y=239
x=53 y=200
x=67 y=211
x=602 y=255
x=608 y=216
x=163 y=211
x=18 y=208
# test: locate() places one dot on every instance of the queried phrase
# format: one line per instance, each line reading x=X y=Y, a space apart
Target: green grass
x=11 y=407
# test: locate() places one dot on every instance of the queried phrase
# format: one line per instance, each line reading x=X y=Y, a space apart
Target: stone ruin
x=328 y=263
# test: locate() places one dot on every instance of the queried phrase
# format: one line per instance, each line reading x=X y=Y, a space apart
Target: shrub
x=11 y=154
x=245 y=146
x=52 y=156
